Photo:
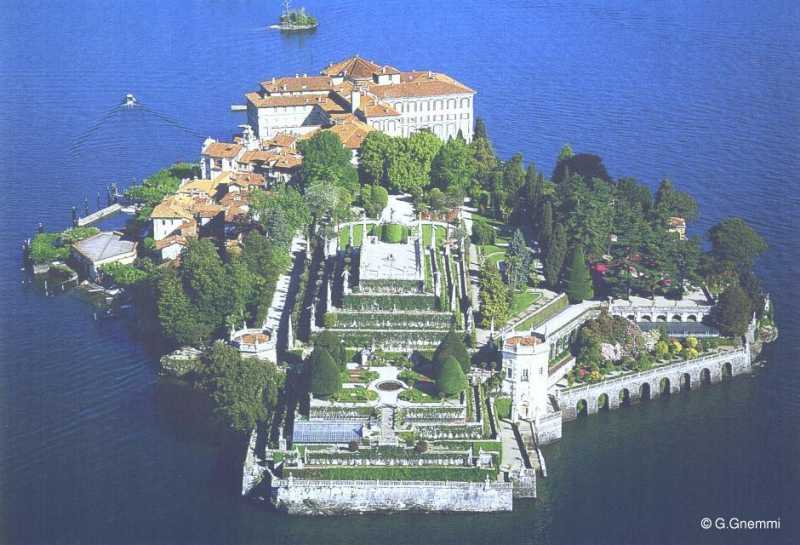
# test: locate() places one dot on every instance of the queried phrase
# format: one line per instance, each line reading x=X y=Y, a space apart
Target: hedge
x=400 y=338
x=389 y=302
x=543 y=314
x=393 y=233
x=384 y=319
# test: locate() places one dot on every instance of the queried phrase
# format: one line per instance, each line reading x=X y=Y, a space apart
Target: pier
x=100 y=214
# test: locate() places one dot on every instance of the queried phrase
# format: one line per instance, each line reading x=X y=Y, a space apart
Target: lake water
x=93 y=449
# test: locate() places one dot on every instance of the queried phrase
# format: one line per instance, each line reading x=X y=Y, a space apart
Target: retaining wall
x=314 y=497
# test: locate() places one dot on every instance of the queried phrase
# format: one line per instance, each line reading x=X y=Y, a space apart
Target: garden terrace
x=387 y=267
x=395 y=473
x=357 y=301
x=399 y=339
x=470 y=430
x=388 y=456
x=446 y=413
x=389 y=319
x=339 y=412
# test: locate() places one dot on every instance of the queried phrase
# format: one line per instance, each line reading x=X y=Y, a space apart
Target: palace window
x=509 y=372
x=524 y=375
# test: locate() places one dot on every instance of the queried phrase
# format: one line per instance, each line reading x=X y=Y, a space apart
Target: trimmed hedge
x=384 y=319
x=545 y=313
x=393 y=233
x=356 y=338
x=356 y=301
x=366 y=473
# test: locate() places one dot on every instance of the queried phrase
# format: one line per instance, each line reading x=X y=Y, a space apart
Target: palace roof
x=421 y=84
x=297 y=84
x=519 y=340
x=354 y=67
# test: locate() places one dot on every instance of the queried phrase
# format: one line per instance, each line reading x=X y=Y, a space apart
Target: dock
x=100 y=214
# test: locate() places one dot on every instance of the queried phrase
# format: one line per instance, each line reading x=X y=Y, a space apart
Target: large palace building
x=357 y=90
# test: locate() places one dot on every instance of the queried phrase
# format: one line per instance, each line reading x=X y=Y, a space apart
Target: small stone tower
x=525 y=375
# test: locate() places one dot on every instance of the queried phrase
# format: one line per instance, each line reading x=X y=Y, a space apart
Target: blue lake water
x=93 y=449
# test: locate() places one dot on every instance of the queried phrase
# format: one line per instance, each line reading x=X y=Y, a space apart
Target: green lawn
x=344 y=237
x=427 y=229
x=523 y=300
x=358 y=235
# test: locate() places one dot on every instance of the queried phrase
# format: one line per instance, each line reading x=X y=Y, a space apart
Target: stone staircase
x=387 y=437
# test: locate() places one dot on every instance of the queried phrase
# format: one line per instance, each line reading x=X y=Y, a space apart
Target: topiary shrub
x=325 y=378
x=452 y=345
x=393 y=233
x=482 y=232
x=421 y=447
x=451 y=380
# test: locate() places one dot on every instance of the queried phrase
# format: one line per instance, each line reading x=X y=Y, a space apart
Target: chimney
x=355 y=100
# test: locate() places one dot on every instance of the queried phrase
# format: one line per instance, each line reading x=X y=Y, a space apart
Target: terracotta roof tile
x=222 y=150
x=351 y=132
x=518 y=340
x=420 y=84
x=354 y=67
x=297 y=84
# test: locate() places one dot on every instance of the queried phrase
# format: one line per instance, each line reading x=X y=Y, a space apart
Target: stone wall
x=253 y=470
x=709 y=368
x=309 y=497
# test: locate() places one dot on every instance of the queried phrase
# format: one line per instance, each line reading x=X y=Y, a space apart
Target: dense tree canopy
x=325 y=159
x=735 y=243
x=244 y=390
x=585 y=165
x=733 y=311
x=453 y=167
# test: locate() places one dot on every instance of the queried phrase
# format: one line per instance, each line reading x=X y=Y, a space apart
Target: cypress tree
x=546 y=226
x=554 y=255
x=329 y=342
x=579 y=282
x=325 y=379
x=451 y=380
x=452 y=345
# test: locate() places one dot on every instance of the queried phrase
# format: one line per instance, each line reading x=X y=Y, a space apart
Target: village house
x=101 y=249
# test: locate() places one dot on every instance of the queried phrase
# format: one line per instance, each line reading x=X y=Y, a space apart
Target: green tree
x=244 y=390
x=453 y=166
x=374 y=199
x=734 y=242
x=513 y=174
x=556 y=253
x=482 y=232
x=480 y=129
x=451 y=380
x=325 y=159
x=328 y=203
x=670 y=202
x=293 y=210
x=325 y=379
x=585 y=165
x=495 y=296
x=751 y=285
x=373 y=157
x=452 y=346
x=546 y=226
x=518 y=261
x=203 y=275
x=409 y=166
x=328 y=341
x=733 y=311
x=180 y=320
x=579 y=282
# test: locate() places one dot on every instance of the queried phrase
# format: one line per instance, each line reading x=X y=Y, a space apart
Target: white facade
x=164 y=227
x=442 y=115
x=299 y=119
x=525 y=376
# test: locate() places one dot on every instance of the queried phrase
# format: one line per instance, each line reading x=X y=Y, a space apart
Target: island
x=295 y=19
x=394 y=318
